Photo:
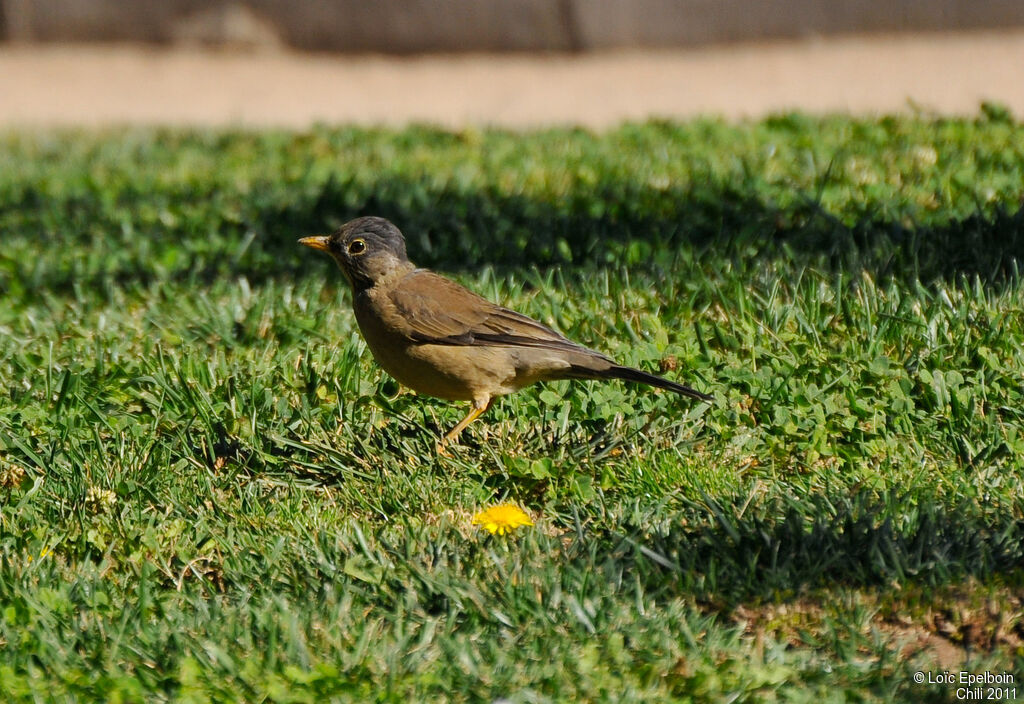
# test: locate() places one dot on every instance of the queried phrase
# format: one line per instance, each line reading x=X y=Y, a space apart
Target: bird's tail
x=629 y=374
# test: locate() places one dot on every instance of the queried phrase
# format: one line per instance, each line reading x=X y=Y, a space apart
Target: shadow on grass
x=454 y=229
x=717 y=556
x=789 y=545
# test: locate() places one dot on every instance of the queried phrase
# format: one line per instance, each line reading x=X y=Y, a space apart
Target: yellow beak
x=316 y=242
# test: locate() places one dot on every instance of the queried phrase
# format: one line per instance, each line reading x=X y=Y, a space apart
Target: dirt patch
x=111 y=85
x=943 y=626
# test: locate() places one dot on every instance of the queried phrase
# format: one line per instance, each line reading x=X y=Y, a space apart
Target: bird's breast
x=450 y=372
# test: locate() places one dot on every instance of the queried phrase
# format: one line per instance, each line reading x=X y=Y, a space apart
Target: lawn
x=209 y=491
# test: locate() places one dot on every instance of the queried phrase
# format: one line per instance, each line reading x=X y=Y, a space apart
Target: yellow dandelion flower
x=502 y=519
x=45 y=552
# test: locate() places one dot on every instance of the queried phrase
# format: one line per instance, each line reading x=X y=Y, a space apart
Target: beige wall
x=402 y=26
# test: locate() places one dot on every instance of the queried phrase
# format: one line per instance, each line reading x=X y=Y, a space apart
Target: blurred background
x=516 y=63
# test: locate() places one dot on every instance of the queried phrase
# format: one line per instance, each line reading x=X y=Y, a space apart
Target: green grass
x=209 y=491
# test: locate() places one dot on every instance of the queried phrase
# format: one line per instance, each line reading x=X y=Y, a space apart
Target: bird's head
x=367 y=249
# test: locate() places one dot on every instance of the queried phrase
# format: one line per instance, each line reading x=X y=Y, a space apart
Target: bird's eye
x=356 y=247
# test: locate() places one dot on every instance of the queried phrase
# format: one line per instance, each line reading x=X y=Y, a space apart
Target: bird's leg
x=480 y=407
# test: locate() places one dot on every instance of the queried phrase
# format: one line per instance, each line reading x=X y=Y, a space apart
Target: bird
x=440 y=339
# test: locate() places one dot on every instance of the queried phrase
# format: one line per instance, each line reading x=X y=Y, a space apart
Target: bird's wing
x=439 y=311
